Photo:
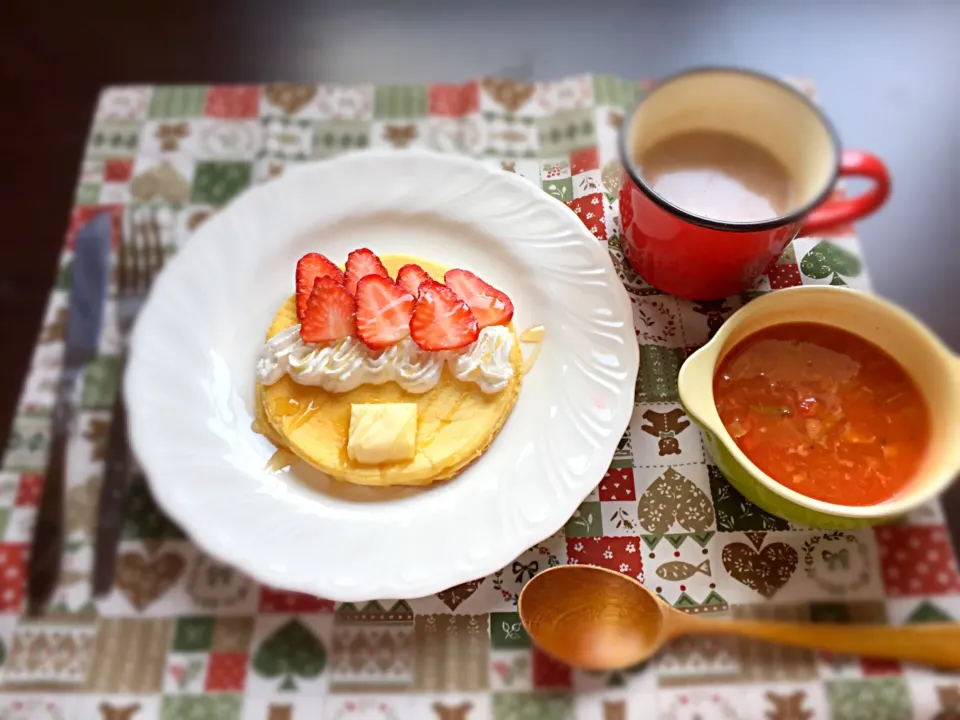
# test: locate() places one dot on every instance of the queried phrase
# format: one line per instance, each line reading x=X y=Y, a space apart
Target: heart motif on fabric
x=454 y=597
x=826 y=259
x=162 y=182
x=766 y=571
x=143 y=581
x=672 y=498
x=756 y=538
x=290 y=98
x=511 y=94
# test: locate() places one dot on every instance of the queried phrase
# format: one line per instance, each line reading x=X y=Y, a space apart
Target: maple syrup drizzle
x=296 y=413
x=534 y=336
x=281 y=460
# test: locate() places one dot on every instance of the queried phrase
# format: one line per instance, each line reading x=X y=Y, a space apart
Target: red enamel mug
x=703 y=258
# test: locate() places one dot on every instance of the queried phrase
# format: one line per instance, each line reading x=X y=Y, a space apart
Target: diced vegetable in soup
x=823 y=412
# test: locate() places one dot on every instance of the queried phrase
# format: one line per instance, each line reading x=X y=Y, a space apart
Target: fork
x=139 y=260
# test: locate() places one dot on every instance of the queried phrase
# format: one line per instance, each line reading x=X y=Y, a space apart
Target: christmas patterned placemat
x=183 y=637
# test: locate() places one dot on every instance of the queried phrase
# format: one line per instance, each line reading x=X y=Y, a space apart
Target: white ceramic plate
x=190 y=379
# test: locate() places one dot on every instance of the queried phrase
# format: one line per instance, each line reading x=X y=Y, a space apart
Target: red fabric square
x=281 y=601
x=916 y=560
x=82 y=214
x=589 y=209
x=117 y=170
x=226 y=671
x=617 y=485
x=29 y=490
x=784 y=276
x=879 y=666
x=584 y=160
x=13 y=562
x=233 y=101
x=453 y=100
x=549 y=673
x=614 y=553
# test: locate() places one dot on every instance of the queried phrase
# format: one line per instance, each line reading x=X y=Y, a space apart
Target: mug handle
x=840 y=212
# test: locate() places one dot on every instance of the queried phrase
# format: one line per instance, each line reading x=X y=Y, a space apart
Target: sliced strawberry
x=361 y=263
x=441 y=320
x=310 y=267
x=331 y=313
x=410 y=277
x=489 y=305
x=383 y=311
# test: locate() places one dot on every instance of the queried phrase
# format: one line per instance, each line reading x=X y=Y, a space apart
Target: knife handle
x=112 y=492
x=47 y=544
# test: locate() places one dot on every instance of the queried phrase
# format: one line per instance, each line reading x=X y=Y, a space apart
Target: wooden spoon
x=598 y=619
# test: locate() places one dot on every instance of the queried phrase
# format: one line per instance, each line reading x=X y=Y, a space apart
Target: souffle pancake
x=388 y=371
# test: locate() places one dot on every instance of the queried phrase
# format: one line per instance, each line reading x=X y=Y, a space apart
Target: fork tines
x=140 y=255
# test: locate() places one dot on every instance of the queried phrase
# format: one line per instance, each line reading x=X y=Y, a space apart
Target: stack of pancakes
x=457 y=421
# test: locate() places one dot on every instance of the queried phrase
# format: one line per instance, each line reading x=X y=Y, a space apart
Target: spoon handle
x=935 y=644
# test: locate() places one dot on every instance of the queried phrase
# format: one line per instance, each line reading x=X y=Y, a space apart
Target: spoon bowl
x=598 y=619
x=591 y=618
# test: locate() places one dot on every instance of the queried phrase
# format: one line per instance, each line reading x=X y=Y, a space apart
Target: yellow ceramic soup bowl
x=933 y=367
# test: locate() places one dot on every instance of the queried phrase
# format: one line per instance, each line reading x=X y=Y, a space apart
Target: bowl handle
x=690 y=384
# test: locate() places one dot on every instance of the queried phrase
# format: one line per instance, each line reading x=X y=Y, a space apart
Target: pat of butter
x=382 y=433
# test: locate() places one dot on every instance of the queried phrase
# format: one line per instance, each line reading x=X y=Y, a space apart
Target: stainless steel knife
x=88 y=293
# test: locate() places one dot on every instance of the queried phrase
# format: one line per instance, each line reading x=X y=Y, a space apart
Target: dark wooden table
x=887 y=74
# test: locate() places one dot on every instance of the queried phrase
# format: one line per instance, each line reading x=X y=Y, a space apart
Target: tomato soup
x=823 y=412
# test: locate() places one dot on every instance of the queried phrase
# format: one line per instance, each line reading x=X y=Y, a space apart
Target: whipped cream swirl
x=346 y=364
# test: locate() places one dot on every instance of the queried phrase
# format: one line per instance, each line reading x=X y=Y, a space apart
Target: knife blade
x=88 y=293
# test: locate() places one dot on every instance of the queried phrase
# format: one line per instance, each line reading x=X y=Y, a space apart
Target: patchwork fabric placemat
x=183 y=637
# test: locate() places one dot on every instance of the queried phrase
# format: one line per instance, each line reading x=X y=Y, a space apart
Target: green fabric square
x=875 y=699
x=562 y=190
x=391 y=102
x=113 y=140
x=612 y=90
x=568 y=131
x=201 y=707
x=28 y=443
x=532 y=706
x=215 y=183
x=585 y=522
x=170 y=101
x=734 y=512
x=142 y=519
x=101 y=379
x=4 y=520
x=657 y=379
x=337 y=136
x=193 y=633
x=507 y=632
x=87 y=194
